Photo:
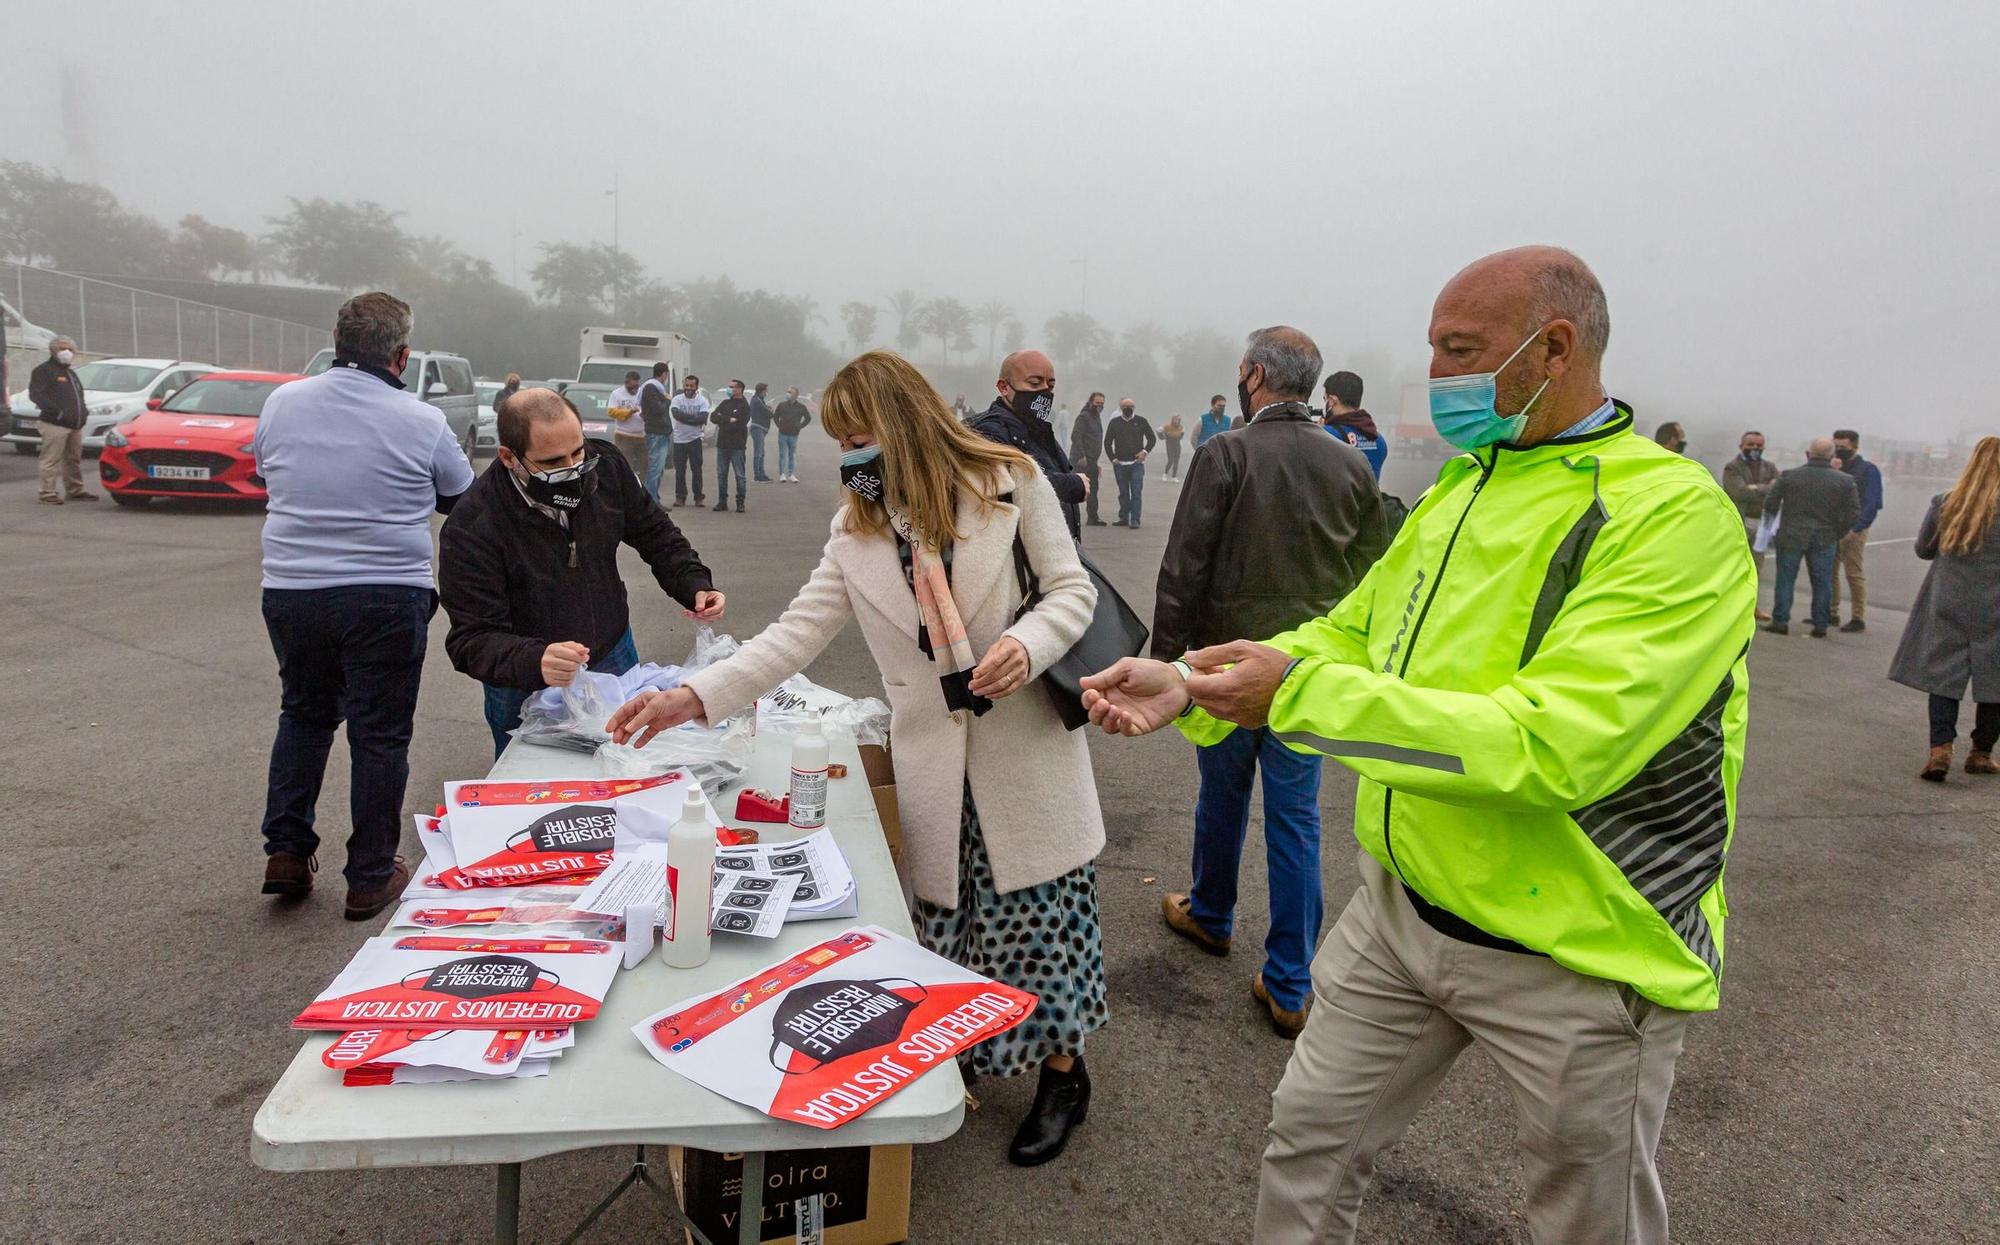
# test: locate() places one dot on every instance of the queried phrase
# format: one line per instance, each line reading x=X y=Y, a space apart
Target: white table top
x=606 y=1090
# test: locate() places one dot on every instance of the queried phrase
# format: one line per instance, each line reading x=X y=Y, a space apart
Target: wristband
x=1187 y=672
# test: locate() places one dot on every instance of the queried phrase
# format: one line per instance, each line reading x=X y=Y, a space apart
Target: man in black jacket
x=656 y=401
x=1127 y=441
x=528 y=560
x=1086 y=446
x=760 y=427
x=1020 y=417
x=1276 y=523
x=57 y=394
x=790 y=419
x=1817 y=504
x=732 y=433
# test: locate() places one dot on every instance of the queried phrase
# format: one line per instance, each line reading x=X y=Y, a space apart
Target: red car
x=194 y=444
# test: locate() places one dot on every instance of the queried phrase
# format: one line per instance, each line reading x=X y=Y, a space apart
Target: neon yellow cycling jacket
x=1543 y=688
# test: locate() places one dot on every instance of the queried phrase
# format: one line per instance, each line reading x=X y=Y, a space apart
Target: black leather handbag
x=1115 y=632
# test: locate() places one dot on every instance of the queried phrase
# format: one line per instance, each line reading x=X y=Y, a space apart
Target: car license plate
x=178 y=473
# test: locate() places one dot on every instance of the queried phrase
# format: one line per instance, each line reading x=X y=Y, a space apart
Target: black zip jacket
x=732 y=424
x=57 y=394
x=514 y=581
x=1086 y=440
x=1126 y=439
x=791 y=417
x=1037 y=440
x=1276 y=523
x=760 y=411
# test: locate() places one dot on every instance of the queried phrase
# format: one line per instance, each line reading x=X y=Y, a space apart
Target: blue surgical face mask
x=1462 y=407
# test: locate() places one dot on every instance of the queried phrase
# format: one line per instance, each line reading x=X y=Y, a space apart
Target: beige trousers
x=1588 y=1062
x=634 y=451
x=1849 y=552
x=62 y=460
x=1756 y=554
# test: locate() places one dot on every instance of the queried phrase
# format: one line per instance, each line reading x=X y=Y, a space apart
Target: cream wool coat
x=1031 y=779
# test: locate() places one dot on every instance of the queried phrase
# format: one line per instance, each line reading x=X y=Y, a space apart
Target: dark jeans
x=757 y=438
x=659 y=448
x=1985 y=723
x=1819 y=569
x=353 y=655
x=1090 y=473
x=687 y=458
x=1131 y=483
x=725 y=462
x=503 y=704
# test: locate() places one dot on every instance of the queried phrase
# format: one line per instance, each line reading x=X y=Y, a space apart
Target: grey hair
x=371 y=328
x=1566 y=289
x=1289 y=358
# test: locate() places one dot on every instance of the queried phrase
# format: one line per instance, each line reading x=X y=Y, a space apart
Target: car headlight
x=248 y=447
x=115 y=439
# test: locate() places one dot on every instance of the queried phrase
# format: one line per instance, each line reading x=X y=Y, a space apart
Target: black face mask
x=1243 y=397
x=1033 y=403
x=865 y=478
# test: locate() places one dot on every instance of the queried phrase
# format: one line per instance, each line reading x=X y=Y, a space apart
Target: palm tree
x=993 y=313
x=904 y=303
x=860 y=321
x=1075 y=336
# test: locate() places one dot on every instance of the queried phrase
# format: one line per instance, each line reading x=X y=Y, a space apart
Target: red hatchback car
x=195 y=444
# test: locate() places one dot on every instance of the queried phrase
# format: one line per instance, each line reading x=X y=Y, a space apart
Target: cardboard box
x=882 y=785
x=865 y=1192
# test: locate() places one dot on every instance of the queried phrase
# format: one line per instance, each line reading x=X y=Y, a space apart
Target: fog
x=1791 y=205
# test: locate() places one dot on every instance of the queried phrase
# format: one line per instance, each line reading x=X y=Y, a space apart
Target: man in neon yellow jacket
x=1542 y=687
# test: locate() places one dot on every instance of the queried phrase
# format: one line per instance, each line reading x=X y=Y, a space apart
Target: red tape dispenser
x=754 y=805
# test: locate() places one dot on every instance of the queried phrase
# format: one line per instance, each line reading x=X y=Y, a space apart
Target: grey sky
x=1791 y=204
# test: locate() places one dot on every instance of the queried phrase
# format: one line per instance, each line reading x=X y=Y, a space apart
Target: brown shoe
x=1981 y=763
x=1174 y=908
x=286 y=874
x=50 y=501
x=1939 y=764
x=83 y=497
x=1285 y=1024
x=362 y=904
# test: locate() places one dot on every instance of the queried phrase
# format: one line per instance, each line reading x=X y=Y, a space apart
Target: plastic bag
x=573 y=717
x=713 y=755
x=798 y=698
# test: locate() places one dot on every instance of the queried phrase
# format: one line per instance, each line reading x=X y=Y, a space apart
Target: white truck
x=605 y=355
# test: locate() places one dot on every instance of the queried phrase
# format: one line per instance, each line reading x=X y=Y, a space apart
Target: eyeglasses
x=563 y=475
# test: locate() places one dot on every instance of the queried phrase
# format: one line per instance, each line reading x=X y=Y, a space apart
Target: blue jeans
x=725 y=462
x=659 y=447
x=503 y=704
x=356 y=655
x=1131 y=482
x=1819 y=569
x=1291 y=851
x=788 y=454
x=757 y=437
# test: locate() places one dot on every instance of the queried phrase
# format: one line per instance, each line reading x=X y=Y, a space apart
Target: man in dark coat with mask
x=1020 y=417
x=528 y=560
x=1086 y=448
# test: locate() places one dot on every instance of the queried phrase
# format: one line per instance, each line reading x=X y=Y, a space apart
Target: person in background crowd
x=1951 y=642
x=1671 y=437
x=1546 y=778
x=528 y=561
x=1853 y=547
x=1344 y=418
x=689 y=410
x=1171 y=435
x=1127 y=441
x=1019 y=417
x=1275 y=525
x=628 y=424
x=1062 y=423
x=354 y=466
x=760 y=427
x=1086 y=448
x=732 y=432
x=791 y=419
x=961 y=408
x=1214 y=421
x=58 y=398
x=656 y=403
x=508 y=388
x=1815 y=505
x=1747 y=478
x=1002 y=820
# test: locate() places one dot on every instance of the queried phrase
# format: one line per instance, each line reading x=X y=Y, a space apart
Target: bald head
x=1539 y=284
x=527 y=418
x=1820 y=447
x=1030 y=372
x=1536 y=317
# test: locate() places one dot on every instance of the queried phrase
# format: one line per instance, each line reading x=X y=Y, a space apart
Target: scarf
x=938 y=620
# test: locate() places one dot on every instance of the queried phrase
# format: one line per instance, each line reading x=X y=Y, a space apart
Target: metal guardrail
x=104 y=318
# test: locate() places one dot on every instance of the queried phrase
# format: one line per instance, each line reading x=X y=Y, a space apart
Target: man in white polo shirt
x=690 y=414
x=354 y=466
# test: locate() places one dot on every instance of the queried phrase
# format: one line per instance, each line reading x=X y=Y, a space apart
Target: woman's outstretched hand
x=1135 y=697
x=653 y=712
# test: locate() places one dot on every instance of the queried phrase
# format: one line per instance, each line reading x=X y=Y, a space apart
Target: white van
x=440 y=378
x=115 y=390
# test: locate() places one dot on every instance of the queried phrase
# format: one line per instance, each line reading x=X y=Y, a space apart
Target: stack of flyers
x=835 y=1030
x=421 y=1056
x=543 y=911
x=826 y=885
x=741 y=902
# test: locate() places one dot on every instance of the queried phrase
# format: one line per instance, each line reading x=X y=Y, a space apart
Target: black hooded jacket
x=1036 y=439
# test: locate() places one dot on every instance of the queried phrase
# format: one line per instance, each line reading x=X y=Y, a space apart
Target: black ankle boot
x=1061 y=1102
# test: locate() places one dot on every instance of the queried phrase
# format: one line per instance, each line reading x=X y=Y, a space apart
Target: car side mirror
x=154 y=404
x=438 y=389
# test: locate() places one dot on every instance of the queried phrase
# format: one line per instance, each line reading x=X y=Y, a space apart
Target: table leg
x=507 y=1205
x=750 y=1210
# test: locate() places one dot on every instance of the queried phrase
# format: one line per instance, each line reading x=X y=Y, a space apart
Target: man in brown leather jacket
x=1276 y=523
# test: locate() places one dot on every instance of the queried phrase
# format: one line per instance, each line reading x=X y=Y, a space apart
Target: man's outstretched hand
x=1236 y=681
x=1135 y=697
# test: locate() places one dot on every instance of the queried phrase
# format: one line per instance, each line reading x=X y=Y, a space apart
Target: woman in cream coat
x=999 y=808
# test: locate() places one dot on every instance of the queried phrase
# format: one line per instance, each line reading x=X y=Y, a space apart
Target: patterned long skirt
x=1043 y=939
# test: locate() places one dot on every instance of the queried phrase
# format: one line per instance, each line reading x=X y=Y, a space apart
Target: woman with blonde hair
x=1952 y=639
x=999 y=807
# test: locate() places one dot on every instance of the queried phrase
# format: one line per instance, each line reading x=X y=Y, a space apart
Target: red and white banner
x=431 y=982
x=518 y=833
x=834 y=1031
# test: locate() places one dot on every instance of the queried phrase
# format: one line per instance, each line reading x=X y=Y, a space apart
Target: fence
x=107 y=319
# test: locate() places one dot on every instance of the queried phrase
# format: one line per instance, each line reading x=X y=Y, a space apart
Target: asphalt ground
x=1846 y=1091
